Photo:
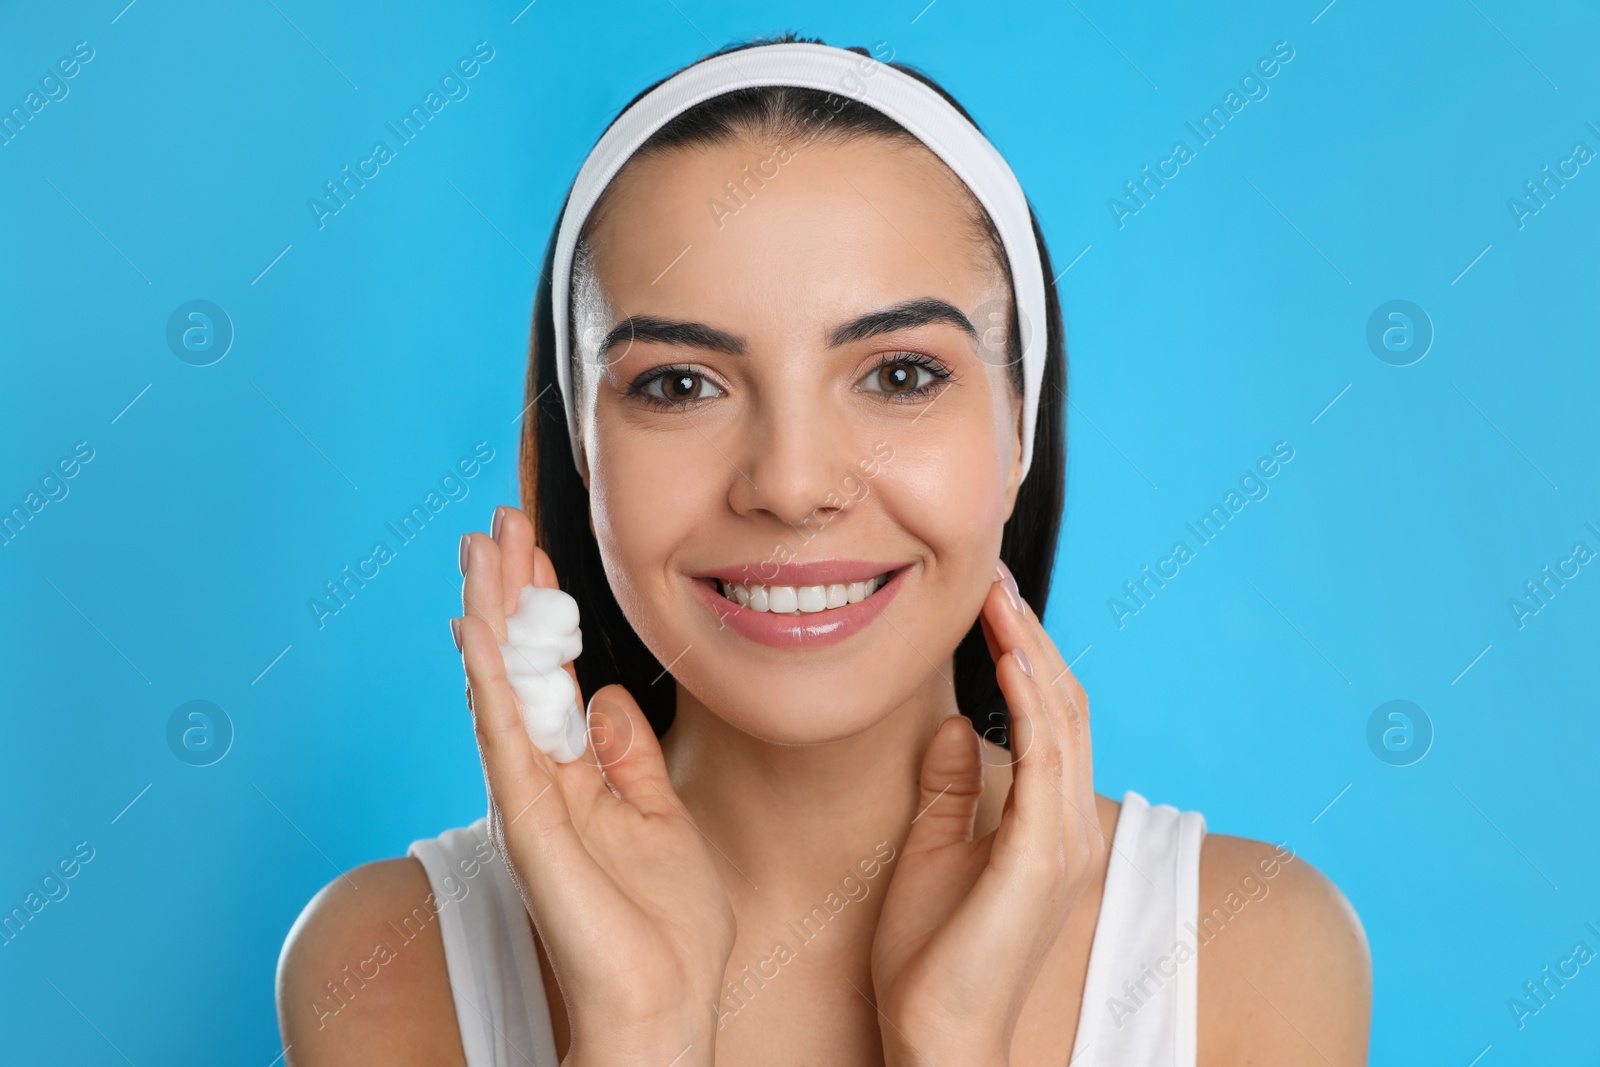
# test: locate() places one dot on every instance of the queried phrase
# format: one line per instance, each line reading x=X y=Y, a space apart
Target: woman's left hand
x=966 y=923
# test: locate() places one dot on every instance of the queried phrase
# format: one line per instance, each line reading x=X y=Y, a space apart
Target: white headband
x=922 y=111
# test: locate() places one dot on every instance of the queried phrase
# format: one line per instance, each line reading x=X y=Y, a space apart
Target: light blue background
x=375 y=352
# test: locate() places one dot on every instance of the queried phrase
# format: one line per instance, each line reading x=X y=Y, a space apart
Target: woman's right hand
x=618 y=879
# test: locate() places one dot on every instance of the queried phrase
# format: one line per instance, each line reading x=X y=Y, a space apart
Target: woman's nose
x=795 y=459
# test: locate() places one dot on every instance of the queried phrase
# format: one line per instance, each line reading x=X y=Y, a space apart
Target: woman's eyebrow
x=903 y=316
x=648 y=328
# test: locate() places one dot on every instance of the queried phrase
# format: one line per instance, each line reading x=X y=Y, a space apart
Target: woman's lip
x=816 y=629
x=817 y=572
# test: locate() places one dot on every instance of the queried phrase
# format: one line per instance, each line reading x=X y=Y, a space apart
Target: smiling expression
x=802 y=442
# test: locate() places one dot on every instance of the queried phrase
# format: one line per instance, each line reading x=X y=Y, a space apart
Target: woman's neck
x=787 y=818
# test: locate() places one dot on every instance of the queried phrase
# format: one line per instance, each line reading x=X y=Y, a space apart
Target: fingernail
x=1010 y=581
x=494 y=523
x=1003 y=576
x=455 y=633
x=1022 y=661
x=465 y=540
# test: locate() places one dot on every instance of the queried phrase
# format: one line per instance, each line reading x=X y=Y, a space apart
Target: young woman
x=796 y=448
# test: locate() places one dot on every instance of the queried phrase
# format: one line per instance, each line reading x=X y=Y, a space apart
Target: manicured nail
x=494 y=523
x=1004 y=578
x=466 y=539
x=1010 y=581
x=455 y=632
x=1022 y=661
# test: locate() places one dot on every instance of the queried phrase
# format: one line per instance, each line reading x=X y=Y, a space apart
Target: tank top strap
x=490 y=957
x=1139 y=1004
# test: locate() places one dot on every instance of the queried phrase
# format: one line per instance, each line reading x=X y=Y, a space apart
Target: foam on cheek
x=542 y=635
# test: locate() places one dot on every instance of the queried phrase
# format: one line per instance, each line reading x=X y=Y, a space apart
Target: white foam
x=542 y=635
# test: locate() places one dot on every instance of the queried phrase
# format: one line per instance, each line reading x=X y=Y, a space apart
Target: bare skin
x=971 y=946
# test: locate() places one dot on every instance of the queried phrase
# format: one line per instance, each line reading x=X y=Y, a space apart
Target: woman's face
x=814 y=373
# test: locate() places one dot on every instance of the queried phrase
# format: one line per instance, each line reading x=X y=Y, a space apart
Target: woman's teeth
x=799 y=599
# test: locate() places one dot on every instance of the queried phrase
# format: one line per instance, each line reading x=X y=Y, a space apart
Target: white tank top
x=1138 y=997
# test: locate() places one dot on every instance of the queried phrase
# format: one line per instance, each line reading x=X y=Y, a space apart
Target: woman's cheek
x=953 y=484
x=984 y=500
x=650 y=495
x=641 y=500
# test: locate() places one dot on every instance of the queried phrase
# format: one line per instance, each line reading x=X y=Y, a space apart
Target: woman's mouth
x=820 y=604
x=800 y=599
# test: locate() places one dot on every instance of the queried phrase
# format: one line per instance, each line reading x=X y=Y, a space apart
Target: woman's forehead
x=746 y=228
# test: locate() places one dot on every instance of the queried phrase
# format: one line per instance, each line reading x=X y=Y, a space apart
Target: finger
x=1007 y=628
x=1057 y=673
x=629 y=753
x=1077 y=700
x=1005 y=614
x=996 y=589
x=519 y=564
x=520 y=777
x=993 y=603
x=1067 y=706
x=1038 y=760
x=532 y=797
x=1049 y=659
x=1018 y=901
x=482 y=594
x=1065 y=700
x=481 y=591
x=1064 y=707
x=544 y=571
x=1017 y=624
x=1051 y=808
x=514 y=534
x=544 y=576
x=949 y=787
x=1002 y=631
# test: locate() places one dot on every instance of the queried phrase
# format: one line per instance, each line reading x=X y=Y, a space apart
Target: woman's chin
x=805 y=720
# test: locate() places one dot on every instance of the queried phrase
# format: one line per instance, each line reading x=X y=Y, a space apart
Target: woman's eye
x=675 y=387
x=905 y=376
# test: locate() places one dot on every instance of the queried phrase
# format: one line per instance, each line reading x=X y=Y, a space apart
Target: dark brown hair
x=555 y=499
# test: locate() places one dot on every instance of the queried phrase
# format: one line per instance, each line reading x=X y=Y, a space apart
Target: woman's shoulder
x=1285 y=973
x=362 y=978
